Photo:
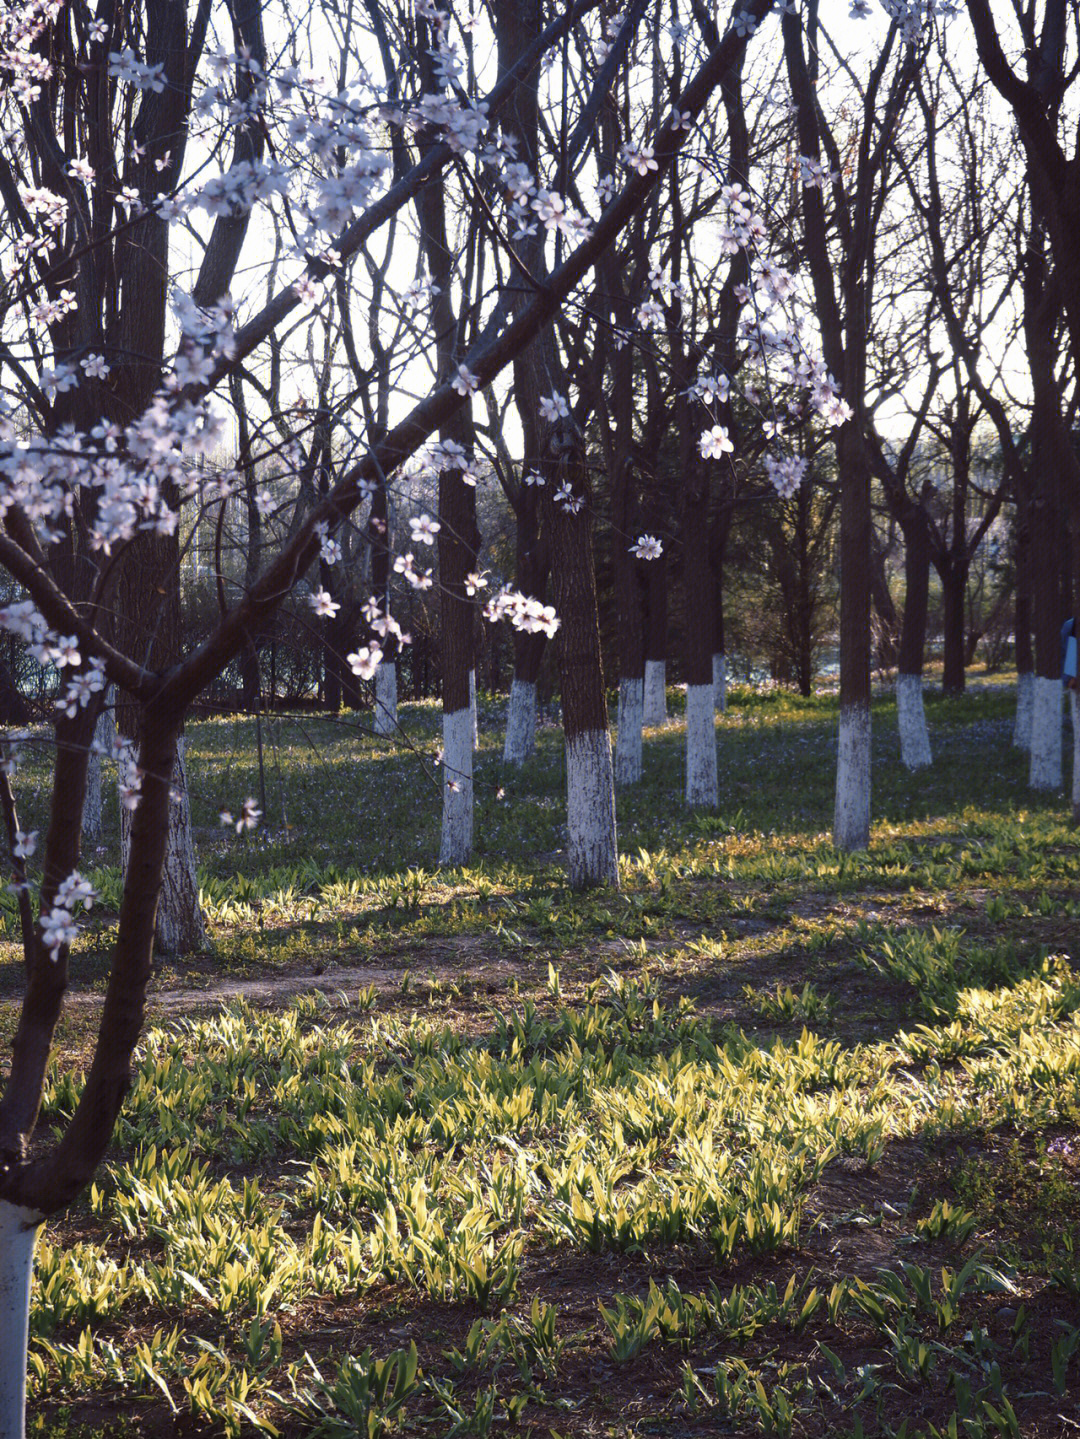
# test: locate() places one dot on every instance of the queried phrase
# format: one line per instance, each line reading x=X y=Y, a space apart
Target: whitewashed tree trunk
x=386 y=698
x=702 y=785
x=1025 y=706
x=180 y=927
x=457 y=815
x=91 y=815
x=103 y=736
x=1074 y=711
x=628 y=744
x=592 y=851
x=655 y=693
x=473 y=710
x=1046 y=734
x=719 y=679
x=18 y=1236
x=520 y=722
x=851 y=819
x=911 y=721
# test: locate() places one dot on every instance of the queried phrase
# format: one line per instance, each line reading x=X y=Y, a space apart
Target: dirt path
x=280 y=988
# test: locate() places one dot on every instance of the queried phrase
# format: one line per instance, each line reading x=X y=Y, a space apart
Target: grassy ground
x=771 y=1141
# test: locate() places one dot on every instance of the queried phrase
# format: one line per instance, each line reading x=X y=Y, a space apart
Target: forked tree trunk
x=910 y=712
x=386 y=719
x=18 y=1237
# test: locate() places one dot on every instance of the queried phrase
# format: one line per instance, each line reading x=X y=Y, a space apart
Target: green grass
x=772 y=1141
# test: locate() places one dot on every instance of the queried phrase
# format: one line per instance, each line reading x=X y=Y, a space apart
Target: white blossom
x=715 y=443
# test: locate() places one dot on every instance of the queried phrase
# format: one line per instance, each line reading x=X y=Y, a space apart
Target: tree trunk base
x=628 y=744
x=702 y=784
x=520 y=723
x=386 y=720
x=719 y=679
x=18 y=1236
x=655 y=694
x=911 y=722
x=592 y=853
x=851 y=819
x=1045 y=773
x=1025 y=705
x=457 y=816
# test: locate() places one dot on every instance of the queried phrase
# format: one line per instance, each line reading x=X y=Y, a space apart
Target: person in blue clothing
x=1069 y=655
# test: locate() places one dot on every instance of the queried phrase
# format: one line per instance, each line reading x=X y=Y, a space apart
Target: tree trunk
x=457 y=557
x=520 y=722
x=803 y=618
x=630 y=722
x=910 y=712
x=249 y=678
x=1050 y=442
x=656 y=623
x=457 y=819
x=13 y=708
x=655 y=703
x=702 y=781
x=851 y=823
x=521 y=707
x=386 y=719
x=592 y=850
x=180 y=927
x=1025 y=657
x=104 y=731
x=881 y=597
x=18 y=1236
x=628 y=592
x=953 y=584
x=1045 y=772
x=719 y=671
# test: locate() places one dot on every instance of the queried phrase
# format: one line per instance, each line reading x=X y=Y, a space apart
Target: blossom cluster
x=523 y=612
